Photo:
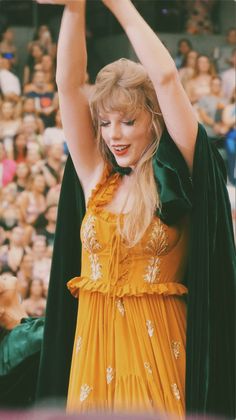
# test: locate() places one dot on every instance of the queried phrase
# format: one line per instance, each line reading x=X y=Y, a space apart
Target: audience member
x=43 y=37
x=10 y=125
x=55 y=134
x=47 y=67
x=42 y=258
x=9 y=83
x=199 y=85
x=184 y=47
x=229 y=76
x=43 y=93
x=210 y=108
x=199 y=16
x=186 y=72
x=21 y=178
x=222 y=55
x=35 y=303
x=229 y=119
x=32 y=202
x=8 y=48
x=35 y=55
x=19 y=147
x=7 y=167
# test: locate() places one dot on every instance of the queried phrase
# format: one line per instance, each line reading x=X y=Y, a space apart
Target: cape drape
x=210 y=277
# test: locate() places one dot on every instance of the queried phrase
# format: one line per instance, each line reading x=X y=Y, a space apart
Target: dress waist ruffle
x=167 y=288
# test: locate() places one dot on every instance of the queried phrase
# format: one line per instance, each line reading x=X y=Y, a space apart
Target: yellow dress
x=129 y=348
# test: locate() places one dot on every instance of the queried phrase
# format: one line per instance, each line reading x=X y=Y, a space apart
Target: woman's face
x=22 y=170
x=39 y=183
x=36 y=288
x=7 y=282
x=203 y=64
x=20 y=141
x=7 y=110
x=127 y=138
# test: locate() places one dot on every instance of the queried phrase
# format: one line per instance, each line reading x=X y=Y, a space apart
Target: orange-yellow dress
x=129 y=349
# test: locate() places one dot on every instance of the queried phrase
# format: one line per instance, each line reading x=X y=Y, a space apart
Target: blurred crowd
x=33 y=147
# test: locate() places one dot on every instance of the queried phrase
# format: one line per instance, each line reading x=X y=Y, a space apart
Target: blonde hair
x=124 y=86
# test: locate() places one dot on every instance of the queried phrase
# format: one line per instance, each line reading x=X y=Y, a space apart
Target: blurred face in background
x=7 y=110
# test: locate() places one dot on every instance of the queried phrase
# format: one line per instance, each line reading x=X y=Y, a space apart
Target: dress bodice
x=156 y=264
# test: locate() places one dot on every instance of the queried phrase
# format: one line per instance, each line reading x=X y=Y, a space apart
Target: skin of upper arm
x=179 y=116
x=79 y=133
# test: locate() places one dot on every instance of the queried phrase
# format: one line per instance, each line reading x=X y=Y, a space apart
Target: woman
x=199 y=85
x=129 y=348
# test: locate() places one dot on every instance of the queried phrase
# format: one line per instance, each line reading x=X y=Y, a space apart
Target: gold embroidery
x=175 y=391
x=110 y=374
x=96 y=273
x=175 y=345
x=157 y=243
x=148 y=367
x=152 y=270
x=150 y=327
x=78 y=344
x=90 y=242
x=120 y=307
x=84 y=392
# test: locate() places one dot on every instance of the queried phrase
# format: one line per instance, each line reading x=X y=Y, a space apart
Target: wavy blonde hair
x=124 y=86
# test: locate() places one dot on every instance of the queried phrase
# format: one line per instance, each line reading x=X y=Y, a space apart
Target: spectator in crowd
x=15 y=250
x=54 y=163
x=43 y=37
x=34 y=157
x=186 y=72
x=29 y=109
x=210 y=108
x=47 y=67
x=43 y=93
x=49 y=226
x=199 y=85
x=9 y=125
x=35 y=303
x=33 y=130
x=55 y=134
x=19 y=147
x=8 y=48
x=25 y=274
x=229 y=119
x=9 y=82
x=36 y=52
x=199 y=16
x=184 y=47
x=7 y=167
x=42 y=258
x=32 y=201
x=222 y=55
x=21 y=178
x=229 y=76
x=9 y=211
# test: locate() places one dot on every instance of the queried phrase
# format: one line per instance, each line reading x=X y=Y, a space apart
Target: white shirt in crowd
x=53 y=135
x=9 y=82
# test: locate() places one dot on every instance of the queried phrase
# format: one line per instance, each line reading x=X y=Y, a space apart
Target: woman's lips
x=120 y=150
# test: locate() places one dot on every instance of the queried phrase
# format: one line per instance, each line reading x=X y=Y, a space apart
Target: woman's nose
x=115 y=132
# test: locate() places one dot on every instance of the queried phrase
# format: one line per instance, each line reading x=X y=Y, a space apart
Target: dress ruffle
x=166 y=289
x=99 y=196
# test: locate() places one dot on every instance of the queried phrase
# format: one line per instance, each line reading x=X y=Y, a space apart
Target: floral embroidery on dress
x=120 y=307
x=110 y=374
x=78 y=344
x=148 y=367
x=157 y=242
x=175 y=391
x=89 y=238
x=95 y=267
x=150 y=327
x=175 y=345
x=84 y=392
x=152 y=270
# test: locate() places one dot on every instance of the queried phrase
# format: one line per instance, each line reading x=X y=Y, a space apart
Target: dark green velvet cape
x=19 y=363
x=210 y=277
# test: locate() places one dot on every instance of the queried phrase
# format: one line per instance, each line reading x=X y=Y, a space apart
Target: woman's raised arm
x=74 y=106
x=177 y=111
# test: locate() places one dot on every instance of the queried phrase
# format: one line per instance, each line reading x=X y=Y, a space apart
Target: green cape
x=210 y=277
x=19 y=363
